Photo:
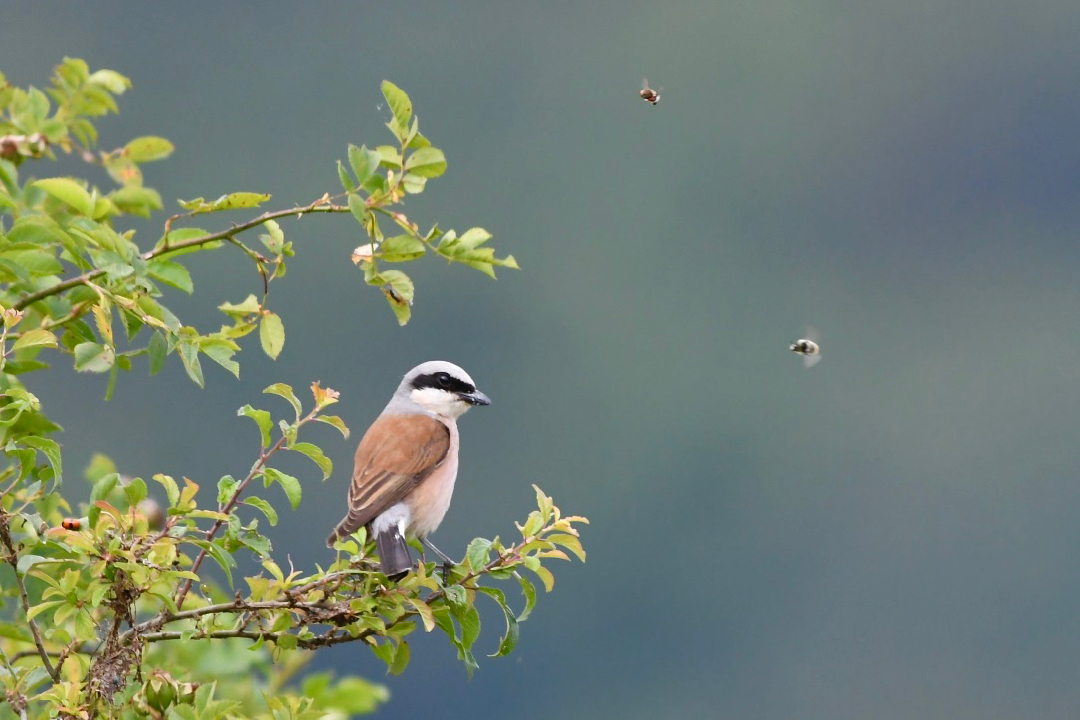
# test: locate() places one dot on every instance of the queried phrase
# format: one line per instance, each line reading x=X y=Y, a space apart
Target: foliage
x=117 y=612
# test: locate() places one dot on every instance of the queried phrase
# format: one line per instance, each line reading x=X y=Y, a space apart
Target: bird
x=407 y=462
x=808 y=348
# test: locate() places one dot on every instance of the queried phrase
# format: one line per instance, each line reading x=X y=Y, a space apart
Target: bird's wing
x=396 y=454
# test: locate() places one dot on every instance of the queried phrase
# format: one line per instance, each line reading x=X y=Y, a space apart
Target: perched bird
x=808 y=348
x=407 y=463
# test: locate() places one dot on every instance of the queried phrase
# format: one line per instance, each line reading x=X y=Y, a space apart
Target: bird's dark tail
x=394 y=559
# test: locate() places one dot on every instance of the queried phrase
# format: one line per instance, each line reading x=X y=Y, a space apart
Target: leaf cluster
x=110 y=607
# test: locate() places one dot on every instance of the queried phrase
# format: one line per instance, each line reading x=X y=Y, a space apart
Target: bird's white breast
x=429 y=502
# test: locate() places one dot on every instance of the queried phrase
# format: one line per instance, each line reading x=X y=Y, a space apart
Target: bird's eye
x=444 y=379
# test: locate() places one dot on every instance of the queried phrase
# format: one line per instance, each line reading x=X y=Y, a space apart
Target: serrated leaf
x=171 y=490
x=510 y=637
x=424 y=611
x=93 y=357
x=262 y=419
x=285 y=391
x=36 y=610
x=249 y=305
x=477 y=553
x=35 y=338
x=414 y=184
x=157 y=350
x=221 y=350
x=189 y=356
x=533 y=563
x=343 y=175
x=171 y=273
x=399 y=103
x=316 y=455
x=231 y=201
x=148 y=148
x=265 y=507
x=427 y=162
x=529 y=591
x=68 y=191
x=401 y=659
x=271 y=334
x=357 y=208
x=570 y=542
x=288 y=483
x=135 y=491
x=336 y=422
x=222 y=558
x=401 y=248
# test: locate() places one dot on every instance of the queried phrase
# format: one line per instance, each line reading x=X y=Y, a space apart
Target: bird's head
x=441 y=388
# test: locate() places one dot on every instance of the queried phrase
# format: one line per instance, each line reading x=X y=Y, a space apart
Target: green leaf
x=157 y=349
x=510 y=637
x=93 y=357
x=265 y=507
x=288 y=483
x=226 y=488
x=50 y=449
x=171 y=490
x=35 y=338
x=135 y=491
x=357 y=208
x=424 y=611
x=135 y=200
x=364 y=162
x=343 y=175
x=29 y=259
x=189 y=356
x=469 y=620
x=399 y=104
x=249 y=306
x=570 y=542
x=477 y=553
x=401 y=248
x=533 y=563
x=398 y=289
x=413 y=184
x=335 y=421
x=262 y=419
x=316 y=455
x=222 y=558
x=36 y=610
x=221 y=350
x=529 y=591
x=285 y=391
x=271 y=334
x=427 y=162
x=401 y=659
x=232 y=201
x=148 y=148
x=171 y=273
x=68 y=191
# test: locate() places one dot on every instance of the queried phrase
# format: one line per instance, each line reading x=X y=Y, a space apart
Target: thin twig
x=5 y=537
x=166 y=249
x=264 y=455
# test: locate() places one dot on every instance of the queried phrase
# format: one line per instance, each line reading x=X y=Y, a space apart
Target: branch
x=264 y=455
x=5 y=537
x=164 y=250
x=308 y=644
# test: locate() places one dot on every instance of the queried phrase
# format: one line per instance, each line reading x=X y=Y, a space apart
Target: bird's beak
x=475 y=398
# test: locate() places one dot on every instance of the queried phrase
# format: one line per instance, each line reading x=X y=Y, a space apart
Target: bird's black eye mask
x=443 y=381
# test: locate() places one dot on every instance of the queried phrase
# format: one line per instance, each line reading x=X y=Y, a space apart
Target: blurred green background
x=895 y=533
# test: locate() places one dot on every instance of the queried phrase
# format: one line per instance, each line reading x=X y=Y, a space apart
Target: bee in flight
x=647 y=93
x=809 y=349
